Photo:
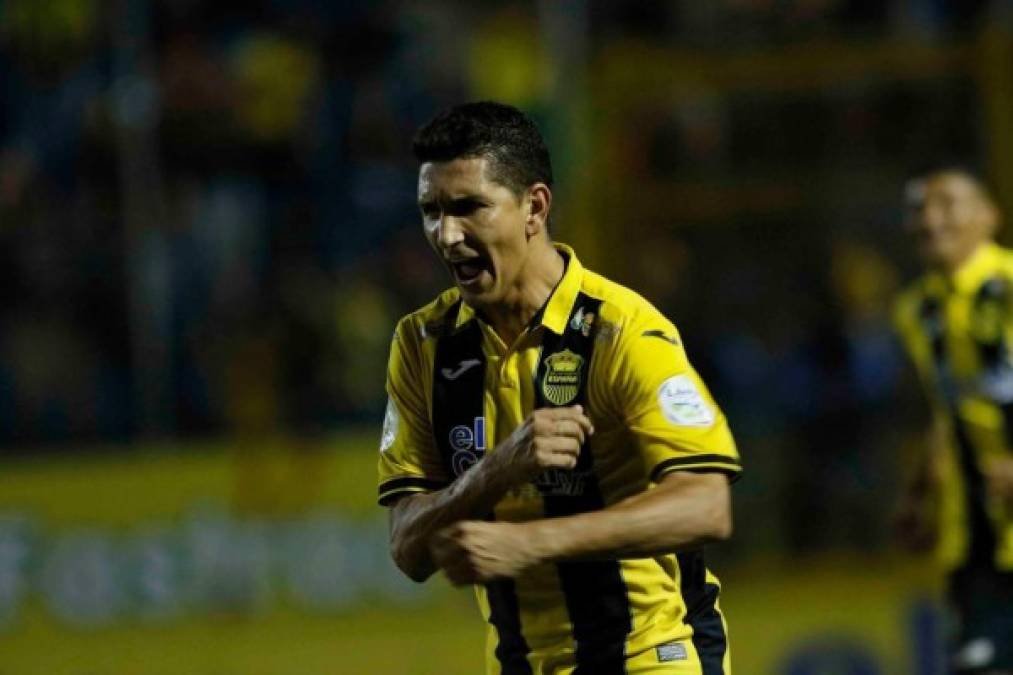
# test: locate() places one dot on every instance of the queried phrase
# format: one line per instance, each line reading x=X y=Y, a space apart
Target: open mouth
x=469 y=271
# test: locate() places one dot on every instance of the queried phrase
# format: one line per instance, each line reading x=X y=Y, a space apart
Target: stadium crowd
x=211 y=206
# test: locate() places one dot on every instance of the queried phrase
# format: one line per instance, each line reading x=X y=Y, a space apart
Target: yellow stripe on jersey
x=958 y=331
x=597 y=343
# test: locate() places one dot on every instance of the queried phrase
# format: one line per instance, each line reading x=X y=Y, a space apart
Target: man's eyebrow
x=461 y=200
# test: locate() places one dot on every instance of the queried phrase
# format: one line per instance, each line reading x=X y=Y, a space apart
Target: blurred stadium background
x=207 y=232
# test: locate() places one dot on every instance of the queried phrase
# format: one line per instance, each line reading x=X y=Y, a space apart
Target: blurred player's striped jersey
x=456 y=391
x=959 y=333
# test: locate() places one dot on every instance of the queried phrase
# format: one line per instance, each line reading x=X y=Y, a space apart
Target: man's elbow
x=418 y=574
x=719 y=525
x=409 y=553
x=415 y=567
x=711 y=500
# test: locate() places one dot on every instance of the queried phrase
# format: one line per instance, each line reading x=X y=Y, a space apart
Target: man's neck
x=951 y=268
x=534 y=285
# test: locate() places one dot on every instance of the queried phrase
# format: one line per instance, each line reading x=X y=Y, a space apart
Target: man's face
x=476 y=225
x=949 y=217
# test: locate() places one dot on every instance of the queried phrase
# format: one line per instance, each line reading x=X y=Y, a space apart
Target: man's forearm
x=416 y=518
x=550 y=438
x=682 y=513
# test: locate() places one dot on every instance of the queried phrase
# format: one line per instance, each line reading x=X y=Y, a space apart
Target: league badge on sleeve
x=682 y=403
x=391 y=421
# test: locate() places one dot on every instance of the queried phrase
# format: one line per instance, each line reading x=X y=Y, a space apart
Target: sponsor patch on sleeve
x=391 y=421
x=682 y=403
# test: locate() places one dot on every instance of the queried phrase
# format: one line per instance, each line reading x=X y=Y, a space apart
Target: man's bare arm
x=685 y=511
x=915 y=518
x=416 y=518
x=548 y=438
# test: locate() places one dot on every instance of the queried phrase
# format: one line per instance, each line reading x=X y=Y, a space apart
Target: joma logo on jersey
x=468 y=444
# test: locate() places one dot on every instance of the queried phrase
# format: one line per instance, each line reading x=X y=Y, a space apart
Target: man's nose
x=449 y=232
x=931 y=218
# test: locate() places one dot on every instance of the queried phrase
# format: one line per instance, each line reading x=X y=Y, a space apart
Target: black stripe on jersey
x=458 y=400
x=458 y=393
x=727 y=464
x=595 y=593
x=991 y=305
x=981 y=538
x=504 y=614
x=395 y=486
x=702 y=614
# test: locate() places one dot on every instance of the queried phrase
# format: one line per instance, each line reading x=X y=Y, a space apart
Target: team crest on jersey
x=562 y=377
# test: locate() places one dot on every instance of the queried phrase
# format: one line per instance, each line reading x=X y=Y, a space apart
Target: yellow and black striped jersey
x=958 y=331
x=456 y=391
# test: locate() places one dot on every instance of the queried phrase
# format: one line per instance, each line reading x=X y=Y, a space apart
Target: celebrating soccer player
x=957 y=326
x=546 y=438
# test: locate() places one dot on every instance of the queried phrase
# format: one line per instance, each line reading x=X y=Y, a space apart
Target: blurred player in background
x=957 y=326
x=546 y=438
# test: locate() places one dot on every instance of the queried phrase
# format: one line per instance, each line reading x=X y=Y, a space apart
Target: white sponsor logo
x=468 y=444
x=682 y=403
x=391 y=421
x=463 y=460
x=463 y=437
x=463 y=367
x=673 y=651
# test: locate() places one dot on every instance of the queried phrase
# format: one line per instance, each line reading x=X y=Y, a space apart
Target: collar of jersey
x=981 y=264
x=556 y=311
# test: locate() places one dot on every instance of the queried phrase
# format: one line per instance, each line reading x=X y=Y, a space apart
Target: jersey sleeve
x=409 y=461
x=667 y=408
x=904 y=323
x=917 y=350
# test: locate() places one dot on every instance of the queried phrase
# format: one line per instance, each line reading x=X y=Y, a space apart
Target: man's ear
x=539 y=203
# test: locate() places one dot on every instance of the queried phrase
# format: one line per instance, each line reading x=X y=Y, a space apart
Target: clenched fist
x=474 y=552
x=550 y=438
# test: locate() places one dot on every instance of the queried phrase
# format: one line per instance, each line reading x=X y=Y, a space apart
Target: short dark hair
x=966 y=170
x=503 y=134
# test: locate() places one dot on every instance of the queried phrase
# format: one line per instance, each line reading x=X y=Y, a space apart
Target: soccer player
x=957 y=325
x=546 y=438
